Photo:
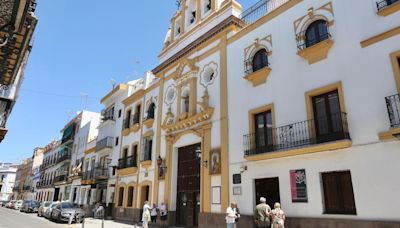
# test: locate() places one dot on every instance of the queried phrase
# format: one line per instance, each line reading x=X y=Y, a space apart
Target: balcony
x=387 y=7
x=27 y=188
x=8 y=91
x=107 y=114
x=314 y=49
x=65 y=156
x=69 y=134
x=101 y=173
x=260 y=9
x=61 y=178
x=297 y=135
x=88 y=175
x=128 y=162
x=107 y=142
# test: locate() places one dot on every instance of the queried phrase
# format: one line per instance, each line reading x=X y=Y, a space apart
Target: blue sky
x=79 y=46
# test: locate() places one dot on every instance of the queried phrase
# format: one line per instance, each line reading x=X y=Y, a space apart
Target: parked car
x=4 y=203
x=30 y=206
x=47 y=213
x=18 y=204
x=44 y=206
x=11 y=204
x=63 y=210
x=24 y=205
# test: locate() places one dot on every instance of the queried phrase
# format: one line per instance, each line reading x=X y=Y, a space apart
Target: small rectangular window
x=338 y=193
x=119 y=113
x=116 y=141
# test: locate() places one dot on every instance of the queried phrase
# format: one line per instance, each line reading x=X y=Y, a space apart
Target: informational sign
x=298 y=184
x=237 y=178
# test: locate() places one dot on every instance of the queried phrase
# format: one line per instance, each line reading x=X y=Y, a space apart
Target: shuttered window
x=147 y=148
x=338 y=193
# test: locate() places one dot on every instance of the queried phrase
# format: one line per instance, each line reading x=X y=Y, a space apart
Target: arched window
x=185 y=101
x=316 y=32
x=150 y=111
x=260 y=60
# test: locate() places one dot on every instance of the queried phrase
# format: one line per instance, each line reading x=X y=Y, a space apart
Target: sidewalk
x=96 y=223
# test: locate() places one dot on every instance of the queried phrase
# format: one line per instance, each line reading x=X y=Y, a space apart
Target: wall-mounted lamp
x=243 y=168
x=198 y=155
x=161 y=167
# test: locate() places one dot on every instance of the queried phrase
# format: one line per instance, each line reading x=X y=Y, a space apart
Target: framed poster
x=216 y=195
x=298 y=184
x=215 y=160
x=237 y=190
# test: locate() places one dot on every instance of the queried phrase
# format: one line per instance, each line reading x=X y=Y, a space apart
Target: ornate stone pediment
x=189 y=122
x=184 y=68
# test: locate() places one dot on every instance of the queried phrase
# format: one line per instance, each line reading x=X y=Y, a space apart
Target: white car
x=18 y=204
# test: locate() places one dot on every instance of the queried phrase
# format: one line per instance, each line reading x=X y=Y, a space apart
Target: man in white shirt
x=231 y=215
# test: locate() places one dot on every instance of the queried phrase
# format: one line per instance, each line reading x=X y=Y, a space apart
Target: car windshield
x=35 y=203
x=47 y=204
x=54 y=205
x=67 y=205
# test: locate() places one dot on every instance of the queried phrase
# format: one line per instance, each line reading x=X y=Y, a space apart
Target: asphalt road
x=10 y=218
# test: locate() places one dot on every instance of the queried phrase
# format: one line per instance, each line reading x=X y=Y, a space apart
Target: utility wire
x=57 y=94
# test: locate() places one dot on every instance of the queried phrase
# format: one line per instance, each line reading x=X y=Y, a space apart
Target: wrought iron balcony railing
x=393 y=107
x=107 y=114
x=380 y=5
x=310 y=132
x=8 y=91
x=61 y=178
x=136 y=118
x=107 y=142
x=248 y=66
x=304 y=42
x=260 y=9
x=127 y=162
x=101 y=173
x=127 y=123
x=88 y=175
x=64 y=157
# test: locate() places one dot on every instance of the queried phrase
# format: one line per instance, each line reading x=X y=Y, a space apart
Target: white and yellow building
x=285 y=100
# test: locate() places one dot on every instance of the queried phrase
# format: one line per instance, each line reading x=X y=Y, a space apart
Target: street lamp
x=161 y=166
x=198 y=156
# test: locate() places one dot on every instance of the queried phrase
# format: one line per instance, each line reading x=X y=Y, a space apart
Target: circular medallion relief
x=170 y=95
x=208 y=74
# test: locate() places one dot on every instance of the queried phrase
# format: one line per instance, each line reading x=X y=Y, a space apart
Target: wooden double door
x=188 y=186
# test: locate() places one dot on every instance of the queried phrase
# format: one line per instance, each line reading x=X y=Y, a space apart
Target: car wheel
x=59 y=218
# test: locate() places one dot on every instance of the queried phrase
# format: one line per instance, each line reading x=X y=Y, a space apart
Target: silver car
x=47 y=213
x=63 y=211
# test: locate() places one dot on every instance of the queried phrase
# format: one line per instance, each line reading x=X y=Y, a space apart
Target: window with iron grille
x=338 y=193
x=256 y=62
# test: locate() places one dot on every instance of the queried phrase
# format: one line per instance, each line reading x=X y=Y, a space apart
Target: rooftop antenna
x=68 y=113
x=112 y=81
x=178 y=4
x=84 y=97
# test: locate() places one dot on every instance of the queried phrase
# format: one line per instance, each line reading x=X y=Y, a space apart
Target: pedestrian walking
x=163 y=214
x=154 y=213
x=146 y=215
x=100 y=211
x=231 y=215
x=278 y=216
x=262 y=214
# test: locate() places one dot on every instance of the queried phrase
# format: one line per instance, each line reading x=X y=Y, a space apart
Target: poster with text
x=298 y=183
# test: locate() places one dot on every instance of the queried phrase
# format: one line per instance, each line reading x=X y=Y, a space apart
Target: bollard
x=83 y=222
x=102 y=222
